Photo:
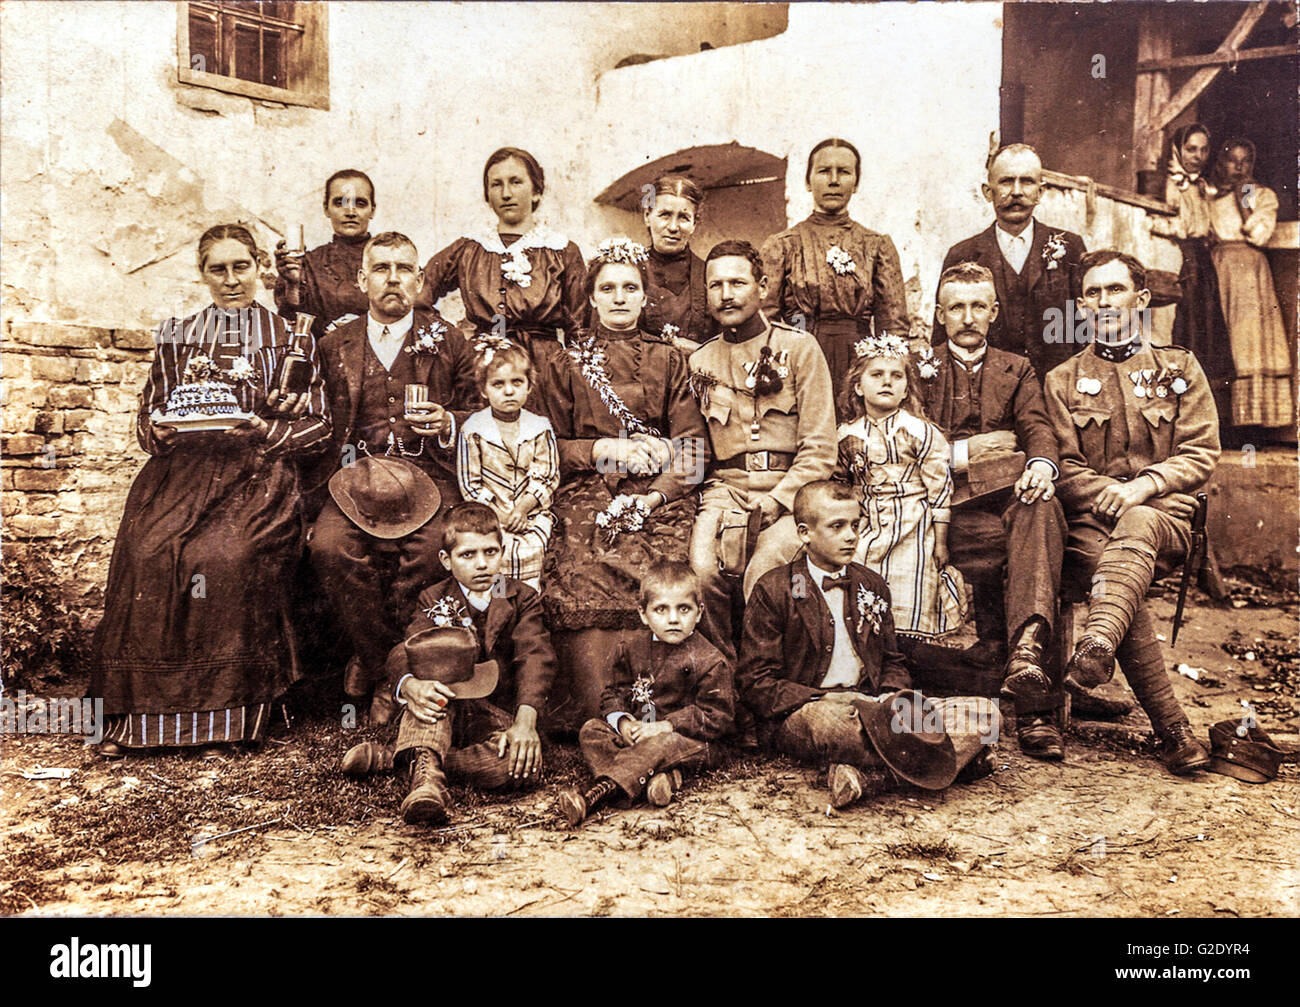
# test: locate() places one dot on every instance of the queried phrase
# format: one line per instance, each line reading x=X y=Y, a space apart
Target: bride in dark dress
x=628 y=430
x=195 y=644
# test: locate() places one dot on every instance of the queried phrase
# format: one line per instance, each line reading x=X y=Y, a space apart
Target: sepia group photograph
x=640 y=459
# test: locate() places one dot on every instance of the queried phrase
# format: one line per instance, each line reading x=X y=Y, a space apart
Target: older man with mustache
x=1033 y=266
x=373 y=578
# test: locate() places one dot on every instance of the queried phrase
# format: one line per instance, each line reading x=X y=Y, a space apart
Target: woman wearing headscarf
x=1243 y=214
x=195 y=643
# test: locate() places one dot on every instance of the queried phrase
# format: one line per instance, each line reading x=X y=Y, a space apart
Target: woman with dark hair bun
x=828 y=274
x=195 y=643
x=519 y=279
x=677 y=305
x=633 y=451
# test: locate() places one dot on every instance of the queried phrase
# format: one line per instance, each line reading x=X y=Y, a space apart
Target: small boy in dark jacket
x=668 y=695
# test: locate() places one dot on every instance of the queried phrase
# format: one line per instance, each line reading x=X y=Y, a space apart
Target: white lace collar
x=540 y=236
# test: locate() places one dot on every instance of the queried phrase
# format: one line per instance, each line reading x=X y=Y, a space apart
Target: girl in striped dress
x=899 y=462
x=507 y=458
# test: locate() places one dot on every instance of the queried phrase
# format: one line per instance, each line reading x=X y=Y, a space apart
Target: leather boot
x=367 y=757
x=1181 y=752
x=659 y=791
x=1040 y=737
x=428 y=798
x=1088 y=705
x=1092 y=664
x=575 y=806
x=1025 y=678
x=849 y=783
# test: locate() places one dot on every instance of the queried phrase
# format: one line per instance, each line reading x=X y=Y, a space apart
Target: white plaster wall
x=914 y=86
x=102 y=230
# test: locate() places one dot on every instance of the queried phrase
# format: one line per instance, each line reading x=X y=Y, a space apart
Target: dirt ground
x=1107 y=833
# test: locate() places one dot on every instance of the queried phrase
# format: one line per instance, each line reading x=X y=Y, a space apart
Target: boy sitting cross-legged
x=820 y=668
x=463 y=717
x=669 y=693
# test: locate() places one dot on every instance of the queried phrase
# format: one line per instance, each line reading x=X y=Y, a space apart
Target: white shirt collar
x=1005 y=237
x=971 y=360
x=396 y=330
x=480 y=600
x=814 y=569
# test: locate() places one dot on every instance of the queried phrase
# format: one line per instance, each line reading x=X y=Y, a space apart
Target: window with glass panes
x=247 y=41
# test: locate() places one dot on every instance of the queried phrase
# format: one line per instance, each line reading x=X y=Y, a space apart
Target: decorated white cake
x=202 y=398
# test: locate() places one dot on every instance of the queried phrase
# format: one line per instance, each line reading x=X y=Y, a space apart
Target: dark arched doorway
x=744 y=193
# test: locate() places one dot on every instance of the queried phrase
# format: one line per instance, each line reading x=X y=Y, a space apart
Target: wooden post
x=1152 y=91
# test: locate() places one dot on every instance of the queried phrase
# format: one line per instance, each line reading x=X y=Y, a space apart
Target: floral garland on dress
x=590 y=358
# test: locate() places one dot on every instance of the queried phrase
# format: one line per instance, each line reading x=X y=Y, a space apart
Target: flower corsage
x=429 y=339
x=840 y=261
x=871 y=609
x=1054 y=250
x=624 y=513
x=448 y=613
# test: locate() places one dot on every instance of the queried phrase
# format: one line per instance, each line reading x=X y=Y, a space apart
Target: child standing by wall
x=507 y=458
x=899 y=462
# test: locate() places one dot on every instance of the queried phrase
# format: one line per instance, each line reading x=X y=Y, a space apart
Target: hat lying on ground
x=385 y=497
x=1245 y=753
x=901 y=730
x=445 y=654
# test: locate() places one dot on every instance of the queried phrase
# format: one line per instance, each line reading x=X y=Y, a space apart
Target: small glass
x=417 y=398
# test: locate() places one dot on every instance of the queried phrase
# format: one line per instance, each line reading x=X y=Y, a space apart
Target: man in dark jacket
x=819 y=640
x=368 y=364
x=1032 y=265
x=1005 y=515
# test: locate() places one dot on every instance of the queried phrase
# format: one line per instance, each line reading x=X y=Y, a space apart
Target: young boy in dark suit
x=669 y=693
x=819 y=642
x=490 y=741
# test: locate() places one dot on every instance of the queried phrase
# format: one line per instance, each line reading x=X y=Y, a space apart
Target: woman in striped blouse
x=195 y=644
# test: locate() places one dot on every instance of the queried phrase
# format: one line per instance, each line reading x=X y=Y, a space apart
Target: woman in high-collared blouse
x=677 y=303
x=828 y=274
x=194 y=646
x=520 y=279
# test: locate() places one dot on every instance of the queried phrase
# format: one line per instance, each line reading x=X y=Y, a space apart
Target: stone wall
x=68 y=451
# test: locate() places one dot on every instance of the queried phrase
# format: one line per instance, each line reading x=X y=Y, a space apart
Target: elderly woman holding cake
x=195 y=646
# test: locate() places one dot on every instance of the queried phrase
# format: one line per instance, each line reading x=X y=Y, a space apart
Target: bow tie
x=831 y=583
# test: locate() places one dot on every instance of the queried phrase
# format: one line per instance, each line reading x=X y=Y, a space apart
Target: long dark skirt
x=589 y=584
x=195 y=608
x=1198 y=319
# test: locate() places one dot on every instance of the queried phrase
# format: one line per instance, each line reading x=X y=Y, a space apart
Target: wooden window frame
x=312 y=91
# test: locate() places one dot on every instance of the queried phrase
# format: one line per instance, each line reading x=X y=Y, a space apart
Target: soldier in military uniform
x=765 y=391
x=1138 y=434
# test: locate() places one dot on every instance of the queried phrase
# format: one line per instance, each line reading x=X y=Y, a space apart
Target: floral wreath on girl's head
x=487 y=346
x=621 y=250
x=883 y=345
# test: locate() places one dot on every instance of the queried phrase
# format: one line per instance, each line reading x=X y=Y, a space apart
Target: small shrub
x=41 y=637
